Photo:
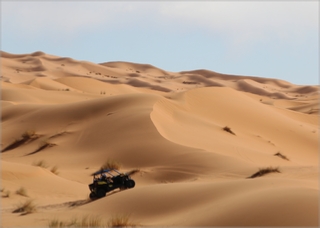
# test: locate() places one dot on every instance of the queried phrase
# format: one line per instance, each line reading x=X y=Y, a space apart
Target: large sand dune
x=196 y=137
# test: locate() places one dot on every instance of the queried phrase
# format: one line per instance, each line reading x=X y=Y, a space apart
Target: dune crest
x=196 y=138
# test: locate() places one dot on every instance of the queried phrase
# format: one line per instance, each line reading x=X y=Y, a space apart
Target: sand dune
x=196 y=137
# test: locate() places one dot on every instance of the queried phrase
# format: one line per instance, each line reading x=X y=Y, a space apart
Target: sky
x=270 y=39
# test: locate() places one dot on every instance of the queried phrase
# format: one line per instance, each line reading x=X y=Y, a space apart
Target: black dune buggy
x=107 y=180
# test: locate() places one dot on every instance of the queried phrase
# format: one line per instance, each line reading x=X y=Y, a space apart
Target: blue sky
x=273 y=39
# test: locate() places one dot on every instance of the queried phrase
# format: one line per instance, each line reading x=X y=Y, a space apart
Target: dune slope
x=195 y=136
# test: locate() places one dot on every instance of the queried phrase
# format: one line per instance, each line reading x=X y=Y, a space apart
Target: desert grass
x=5 y=193
x=120 y=221
x=65 y=89
x=27 y=136
x=85 y=221
x=93 y=221
x=41 y=163
x=26 y=207
x=44 y=164
x=264 y=171
x=228 y=129
x=56 y=223
x=54 y=170
x=281 y=156
x=22 y=192
x=111 y=164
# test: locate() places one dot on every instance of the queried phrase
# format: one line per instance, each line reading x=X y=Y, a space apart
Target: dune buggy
x=108 y=180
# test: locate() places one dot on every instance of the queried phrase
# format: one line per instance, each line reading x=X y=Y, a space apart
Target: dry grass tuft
x=29 y=134
x=93 y=221
x=120 y=221
x=264 y=171
x=86 y=221
x=281 y=156
x=41 y=163
x=56 y=223
x=54 y=170
x=22 y=192
x=26 y=208
x=111 y=164
x=5 y=193
x=228 y=129
x=45 y=143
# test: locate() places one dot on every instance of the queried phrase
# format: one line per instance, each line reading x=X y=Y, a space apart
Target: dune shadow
x=70 y=204
x=25 y=139
x=46 y=145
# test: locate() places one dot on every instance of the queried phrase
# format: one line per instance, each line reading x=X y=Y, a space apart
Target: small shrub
x=120 y=221
x=22 y=192
x=86 y=221
x=41 y=163
x=228 y=129
x=264 y=171
x=111 y=164
x=26 y=207
x=6 y=194
x=54 y=170
x=56 y=223
x=29 y=134
x=90 y=221
x=281 y=156
x=45 y=143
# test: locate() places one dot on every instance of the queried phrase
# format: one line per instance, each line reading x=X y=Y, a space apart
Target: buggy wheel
x=92 y=195
x=130 y=183
x=101 y=193
x=123 y=187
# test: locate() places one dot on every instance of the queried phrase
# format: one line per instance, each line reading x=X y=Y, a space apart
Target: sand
x=172 y=126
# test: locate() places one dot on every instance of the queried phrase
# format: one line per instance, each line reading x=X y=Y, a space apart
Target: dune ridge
x=195 y=136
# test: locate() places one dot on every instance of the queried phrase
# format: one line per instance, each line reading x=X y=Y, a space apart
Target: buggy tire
x=92 y=195
x=130 y=183
x=123 y=188
x=101 y=193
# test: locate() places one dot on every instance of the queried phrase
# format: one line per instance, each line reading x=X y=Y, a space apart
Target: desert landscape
x=210 y=149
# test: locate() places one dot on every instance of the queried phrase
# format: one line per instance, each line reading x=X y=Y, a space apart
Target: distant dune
x=196 y=137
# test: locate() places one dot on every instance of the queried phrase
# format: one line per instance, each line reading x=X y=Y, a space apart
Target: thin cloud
x=242 y=18
x=239 y=20
x=36 y=18
x=246 y=26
